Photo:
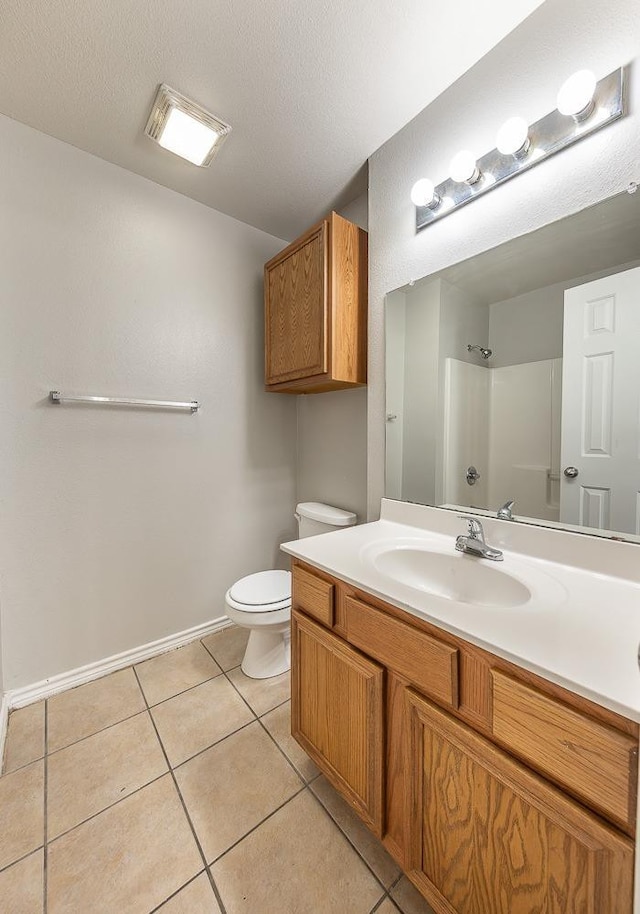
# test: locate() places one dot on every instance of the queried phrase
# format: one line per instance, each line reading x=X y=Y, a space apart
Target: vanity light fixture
x=423 y=193
x=513 y=138
x=464 y=168
x=584 y=105
x=184 y=127
x=575 y=97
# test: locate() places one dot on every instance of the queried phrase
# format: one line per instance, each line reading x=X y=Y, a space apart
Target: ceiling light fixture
x=575 y=97
x=513 y=138
x=584 y=105
x=184 y=127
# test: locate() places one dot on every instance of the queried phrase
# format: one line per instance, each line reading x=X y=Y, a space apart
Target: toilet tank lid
x=326 y=514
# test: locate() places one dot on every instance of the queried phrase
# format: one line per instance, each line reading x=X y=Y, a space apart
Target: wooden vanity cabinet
x=496 y=791
x=315 y=298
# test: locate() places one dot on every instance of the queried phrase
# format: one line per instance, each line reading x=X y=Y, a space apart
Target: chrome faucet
x=474 y=543
x=505 y=512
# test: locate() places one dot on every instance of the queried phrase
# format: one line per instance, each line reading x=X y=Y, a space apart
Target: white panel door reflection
x=601 y=404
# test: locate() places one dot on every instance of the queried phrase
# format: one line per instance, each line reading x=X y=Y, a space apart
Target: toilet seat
x=264 y=592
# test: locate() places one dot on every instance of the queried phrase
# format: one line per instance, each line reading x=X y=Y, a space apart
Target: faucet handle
x=475 y=527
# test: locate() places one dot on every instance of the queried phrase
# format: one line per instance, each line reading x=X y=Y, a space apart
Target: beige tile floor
x=175 y=786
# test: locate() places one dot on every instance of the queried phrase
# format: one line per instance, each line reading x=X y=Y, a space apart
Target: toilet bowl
x=261 y=602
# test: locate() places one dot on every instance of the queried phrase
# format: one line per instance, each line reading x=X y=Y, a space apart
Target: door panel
x=601 y=403
x=337 y=714
x=296 y=312
x=490 y=837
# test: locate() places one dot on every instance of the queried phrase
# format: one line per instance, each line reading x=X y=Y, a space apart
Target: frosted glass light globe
x=463 y=168
x=423 y=193
x=513 y=137
x=576 y=94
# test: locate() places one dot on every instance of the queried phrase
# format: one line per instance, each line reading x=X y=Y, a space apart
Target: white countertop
x=580 y=629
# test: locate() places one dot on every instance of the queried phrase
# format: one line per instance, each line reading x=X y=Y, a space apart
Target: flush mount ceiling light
x=184 y=127
x=584 y=105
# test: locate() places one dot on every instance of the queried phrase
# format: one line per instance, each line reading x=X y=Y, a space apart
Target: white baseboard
x=4 y=720
x=18 y=698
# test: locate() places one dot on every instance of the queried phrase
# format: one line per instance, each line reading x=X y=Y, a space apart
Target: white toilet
x=262 y=602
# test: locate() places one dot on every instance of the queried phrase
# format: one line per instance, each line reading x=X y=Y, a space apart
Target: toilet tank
x=314 y=517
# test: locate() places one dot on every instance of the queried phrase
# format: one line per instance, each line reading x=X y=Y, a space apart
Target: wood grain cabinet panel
x=313 y=595
x=315 y=296
x=487 y=836
x=431 y=665
x=595 y=762
x=337 y=712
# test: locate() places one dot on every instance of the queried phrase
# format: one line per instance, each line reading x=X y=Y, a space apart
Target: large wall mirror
x=515 y=376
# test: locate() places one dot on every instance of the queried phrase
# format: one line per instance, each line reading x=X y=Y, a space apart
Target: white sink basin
x=462 y=578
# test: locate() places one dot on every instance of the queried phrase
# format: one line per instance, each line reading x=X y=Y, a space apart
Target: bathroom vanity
x=481 y=718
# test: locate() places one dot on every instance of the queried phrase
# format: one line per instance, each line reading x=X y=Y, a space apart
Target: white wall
x=120 y=527
x=395 y=337
x=420 y=402
x=529 y=327
x=524 y=446
x=522 y=74
x=332 y=433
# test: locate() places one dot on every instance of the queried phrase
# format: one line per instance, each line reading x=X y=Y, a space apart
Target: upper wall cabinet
x=315 y=295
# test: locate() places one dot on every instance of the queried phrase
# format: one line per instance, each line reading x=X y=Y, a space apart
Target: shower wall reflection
x=449 y=409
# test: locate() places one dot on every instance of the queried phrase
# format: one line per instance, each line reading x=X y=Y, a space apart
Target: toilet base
x=267 y=654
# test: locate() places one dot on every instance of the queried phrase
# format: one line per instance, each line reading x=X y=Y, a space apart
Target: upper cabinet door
x=315 y=297
x=296 y=310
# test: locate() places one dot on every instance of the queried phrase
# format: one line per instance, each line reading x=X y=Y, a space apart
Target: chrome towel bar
x=56 y=397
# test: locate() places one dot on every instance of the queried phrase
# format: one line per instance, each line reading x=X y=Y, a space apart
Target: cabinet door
x=296 y=314
x=487 y=836
x=337 y=714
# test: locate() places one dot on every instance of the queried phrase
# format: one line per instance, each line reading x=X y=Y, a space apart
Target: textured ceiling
x=310 y=89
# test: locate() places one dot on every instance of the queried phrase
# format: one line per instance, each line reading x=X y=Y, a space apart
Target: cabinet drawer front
x=595 y=762
x=313 y=595
x=431 y=665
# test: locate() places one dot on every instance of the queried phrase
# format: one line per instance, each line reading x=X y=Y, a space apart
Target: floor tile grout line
x=274 y=708
x=282 y=752
x=253 y=711
x=20 y=859
x=45 y=853
x=211 y=654
x=177 y=891
x=110 y=806
x=350 y=841
x=95 y=733
x=258 y=825
x=186 y=812
x=190 y=688
x=211 y=745
x=144 y=710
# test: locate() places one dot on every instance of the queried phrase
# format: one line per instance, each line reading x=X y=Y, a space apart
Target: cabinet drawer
x=313 y=595
x=593 y=761
x=429 y=664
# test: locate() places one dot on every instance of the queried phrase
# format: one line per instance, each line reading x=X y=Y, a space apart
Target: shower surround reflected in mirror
x=520 y=364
